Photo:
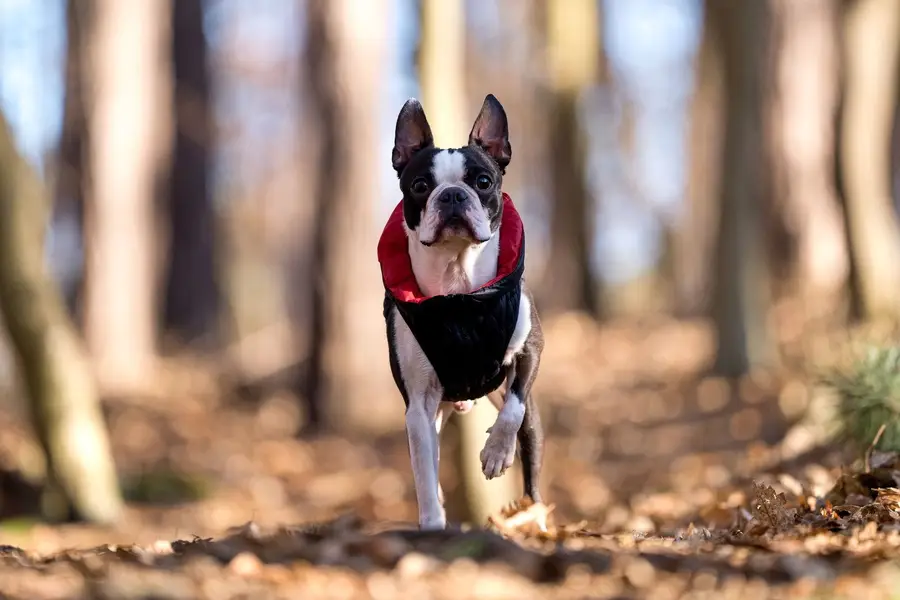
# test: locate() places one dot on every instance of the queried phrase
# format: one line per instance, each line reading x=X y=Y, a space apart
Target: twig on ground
x=871 y=447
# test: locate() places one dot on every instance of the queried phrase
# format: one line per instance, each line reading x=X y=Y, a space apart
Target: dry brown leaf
x=523 y=516
x=768 y=508
x=890 y=497
x=858 y=500
x=845 y=487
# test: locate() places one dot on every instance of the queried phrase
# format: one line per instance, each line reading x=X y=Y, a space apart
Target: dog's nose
x=452 y=196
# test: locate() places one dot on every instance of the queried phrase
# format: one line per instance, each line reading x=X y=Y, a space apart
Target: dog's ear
x=491 y=131
x=411 y=135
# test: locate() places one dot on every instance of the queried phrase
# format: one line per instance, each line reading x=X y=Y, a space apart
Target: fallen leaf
x=889 y=498
x=522 y=517
x=768 y=508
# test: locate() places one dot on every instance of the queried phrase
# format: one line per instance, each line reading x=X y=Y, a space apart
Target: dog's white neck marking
x=453 y=268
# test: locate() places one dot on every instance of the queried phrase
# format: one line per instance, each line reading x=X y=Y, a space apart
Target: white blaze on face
x=448 y=169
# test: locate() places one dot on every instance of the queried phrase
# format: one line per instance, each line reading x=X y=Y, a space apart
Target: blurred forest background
x=190 y=197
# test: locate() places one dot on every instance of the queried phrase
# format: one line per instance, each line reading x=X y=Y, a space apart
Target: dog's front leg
x=517 y=411
x=500 y=448
x=444 y=412
x=423 y=452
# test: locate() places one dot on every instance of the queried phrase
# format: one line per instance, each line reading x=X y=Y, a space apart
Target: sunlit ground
x=642 y=450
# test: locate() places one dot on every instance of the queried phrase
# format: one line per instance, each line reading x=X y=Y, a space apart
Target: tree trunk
x=742 y=281
x=347 y=378
x=68 y=207
x=574 y=51
x=128 y=65
x=191 y=289
x=442 y=72
x=64 y=406
x=806 y=94
x=871 y=52
x=693 y=238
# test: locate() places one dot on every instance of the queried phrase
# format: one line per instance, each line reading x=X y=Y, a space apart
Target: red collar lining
x=396 y=267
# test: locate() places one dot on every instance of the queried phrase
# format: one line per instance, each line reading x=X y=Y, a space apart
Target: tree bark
x=192 y=299
x=128 y=65
x=68 y=207
x=442 y=72
x=805 y=103
x=574 y=52
x=64 y=406
x=693 y=238
x=347 y=376
x=742 y=280
x=871 y=31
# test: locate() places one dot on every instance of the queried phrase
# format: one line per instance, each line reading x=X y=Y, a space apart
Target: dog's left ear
x=491 y=132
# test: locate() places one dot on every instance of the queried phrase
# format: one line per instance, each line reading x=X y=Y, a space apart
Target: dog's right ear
x=412 y=134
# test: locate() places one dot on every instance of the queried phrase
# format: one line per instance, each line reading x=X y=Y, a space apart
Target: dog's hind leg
x=531 y=449
x=531 y=433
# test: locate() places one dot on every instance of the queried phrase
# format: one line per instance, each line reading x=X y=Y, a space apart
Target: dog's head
x=452 y=195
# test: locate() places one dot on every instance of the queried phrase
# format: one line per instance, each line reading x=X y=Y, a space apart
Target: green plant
x=869 y=397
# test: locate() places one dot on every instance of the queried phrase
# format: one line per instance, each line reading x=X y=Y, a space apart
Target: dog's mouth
x=455 y=227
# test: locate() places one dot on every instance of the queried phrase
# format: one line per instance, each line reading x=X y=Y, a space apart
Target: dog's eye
x=419 y=186
x=483 y=182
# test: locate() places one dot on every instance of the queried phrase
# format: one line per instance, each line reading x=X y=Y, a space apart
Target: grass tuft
x=868 y=397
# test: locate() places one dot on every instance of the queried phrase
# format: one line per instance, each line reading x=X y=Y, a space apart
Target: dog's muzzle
x=453 y=205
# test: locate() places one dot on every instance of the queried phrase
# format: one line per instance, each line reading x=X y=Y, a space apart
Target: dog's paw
x=498 y=453
x=432 y=524
x=432 y=518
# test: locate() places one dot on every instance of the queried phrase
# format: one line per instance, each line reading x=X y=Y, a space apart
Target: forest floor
x=662 y=483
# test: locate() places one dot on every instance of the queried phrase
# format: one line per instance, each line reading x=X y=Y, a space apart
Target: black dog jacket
x=464 y=336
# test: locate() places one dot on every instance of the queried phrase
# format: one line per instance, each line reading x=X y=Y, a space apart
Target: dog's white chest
x=452 y=269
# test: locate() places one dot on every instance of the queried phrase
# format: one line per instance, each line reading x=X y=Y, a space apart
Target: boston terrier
x=460 y=322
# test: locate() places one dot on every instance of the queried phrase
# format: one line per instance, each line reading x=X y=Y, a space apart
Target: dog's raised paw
x=498 y=454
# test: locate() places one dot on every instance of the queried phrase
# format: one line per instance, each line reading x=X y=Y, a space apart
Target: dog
x=460 y=321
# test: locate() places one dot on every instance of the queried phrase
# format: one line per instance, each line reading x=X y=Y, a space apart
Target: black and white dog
x=459 y=319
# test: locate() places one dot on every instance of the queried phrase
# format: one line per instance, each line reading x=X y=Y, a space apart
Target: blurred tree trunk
x=508 y=62
x=192 y=298
x=574 y=53
x=127 y=62
x=871 y=50
x=782 y=235
x=348 y=371
x=65 y=409
x=805 y=103
x=693 y=237
x=442 y=72
x=68 y=207
x=742 y=280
